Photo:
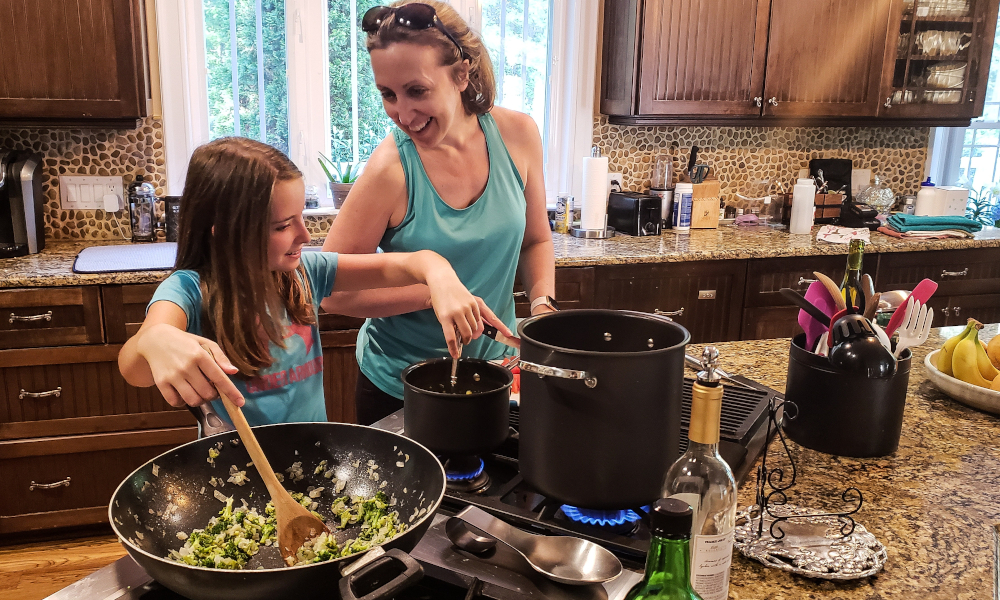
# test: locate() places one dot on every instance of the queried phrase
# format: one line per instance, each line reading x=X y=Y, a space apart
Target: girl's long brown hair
x=223 y=235
x=478 y=96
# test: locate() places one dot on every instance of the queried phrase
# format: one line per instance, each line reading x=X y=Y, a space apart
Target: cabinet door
x=72 y=59
x=825 y=57
x=938 y=59
x=770 y=322
x=984 y=308
x=705 y=297
x=703 y=57
x=574 y=289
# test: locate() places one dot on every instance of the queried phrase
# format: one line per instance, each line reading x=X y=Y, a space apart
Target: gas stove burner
x=466 y=474
x=621 y=521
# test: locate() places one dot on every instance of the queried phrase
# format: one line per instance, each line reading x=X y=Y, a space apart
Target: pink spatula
x=923 y=292
x=820 y=298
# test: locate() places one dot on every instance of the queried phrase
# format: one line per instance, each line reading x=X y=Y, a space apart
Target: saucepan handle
x=413 y=573
x=209 y=420
x=545 y=370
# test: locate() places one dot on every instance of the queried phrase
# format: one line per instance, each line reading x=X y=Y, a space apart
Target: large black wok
x=148 y=509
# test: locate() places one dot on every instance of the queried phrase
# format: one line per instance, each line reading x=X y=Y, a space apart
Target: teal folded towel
x=903 y=223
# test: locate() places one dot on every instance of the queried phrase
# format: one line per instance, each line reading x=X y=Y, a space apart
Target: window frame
x=185 y=111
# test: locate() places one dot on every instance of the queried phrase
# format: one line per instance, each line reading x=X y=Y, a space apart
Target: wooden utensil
x=867 y=288
x=295 y=523
x=833 y=288
x=871 y=305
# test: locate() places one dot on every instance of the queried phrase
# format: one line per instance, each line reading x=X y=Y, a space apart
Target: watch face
x=552 y=303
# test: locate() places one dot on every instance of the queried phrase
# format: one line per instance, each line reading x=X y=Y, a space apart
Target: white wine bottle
x=702 y=478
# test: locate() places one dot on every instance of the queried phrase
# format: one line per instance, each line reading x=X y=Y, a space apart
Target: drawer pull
x=48 y=486
x=669 y=313
x=43 y=317
x=25 y=394
x=947 y=311
x=961 y=273
x=803 y=281
x=958 y=313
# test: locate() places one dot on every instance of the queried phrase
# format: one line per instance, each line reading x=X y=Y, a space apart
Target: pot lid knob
x=709 y=362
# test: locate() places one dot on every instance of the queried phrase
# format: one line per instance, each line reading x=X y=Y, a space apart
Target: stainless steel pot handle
x=545 y=370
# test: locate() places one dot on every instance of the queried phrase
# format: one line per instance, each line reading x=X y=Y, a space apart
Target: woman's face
x=418 y=93
x=288 y=230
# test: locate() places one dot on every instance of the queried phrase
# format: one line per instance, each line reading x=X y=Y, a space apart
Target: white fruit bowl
x=966 y=393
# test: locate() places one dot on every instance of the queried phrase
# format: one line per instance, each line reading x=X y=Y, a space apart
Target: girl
x=459 y=176
x=240 y=310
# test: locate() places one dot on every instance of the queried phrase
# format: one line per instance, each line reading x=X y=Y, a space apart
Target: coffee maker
x=22 y=204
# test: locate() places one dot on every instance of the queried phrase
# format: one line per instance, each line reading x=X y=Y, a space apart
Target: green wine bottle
x=668 y=564
x=850 y=288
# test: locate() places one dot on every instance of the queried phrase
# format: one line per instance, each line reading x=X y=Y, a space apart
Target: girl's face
x=418 y=93
x=288 y=230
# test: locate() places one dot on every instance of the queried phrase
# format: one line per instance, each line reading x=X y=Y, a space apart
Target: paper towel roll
x=594 y=203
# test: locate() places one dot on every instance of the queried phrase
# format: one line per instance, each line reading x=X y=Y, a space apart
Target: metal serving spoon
x=562 y=559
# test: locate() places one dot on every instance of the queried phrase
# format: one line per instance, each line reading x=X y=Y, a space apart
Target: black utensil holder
x=842 y=413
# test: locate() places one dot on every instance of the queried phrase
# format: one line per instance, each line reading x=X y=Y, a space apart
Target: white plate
x=966 y=393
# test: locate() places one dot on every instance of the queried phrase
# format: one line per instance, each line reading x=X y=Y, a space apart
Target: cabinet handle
x=521 y=294
x=958 y=311
x=803 y=281
x=43 y=317
x=758 y=101
x=888 y=102
x=947 y=311
x=669 y=313
x=56 y=392
x=773 y=100
x=48 y=486
x=961 y=273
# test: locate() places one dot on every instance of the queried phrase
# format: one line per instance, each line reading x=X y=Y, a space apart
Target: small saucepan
x=472 y=418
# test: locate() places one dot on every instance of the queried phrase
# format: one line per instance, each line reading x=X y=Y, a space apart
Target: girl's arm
x=376 y=202
x=536 y=267
x=186 y=368
x=458 y=311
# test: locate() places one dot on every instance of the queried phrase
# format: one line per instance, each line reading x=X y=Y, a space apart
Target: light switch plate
x=86 y=192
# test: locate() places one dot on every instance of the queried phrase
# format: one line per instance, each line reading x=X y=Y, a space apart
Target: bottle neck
x=706 y=410
x=668 y=565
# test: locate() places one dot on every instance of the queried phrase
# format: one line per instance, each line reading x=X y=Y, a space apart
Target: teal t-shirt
x=291 y=389
x=483 y=244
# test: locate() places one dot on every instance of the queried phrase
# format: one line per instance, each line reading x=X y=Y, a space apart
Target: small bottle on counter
x=925 y=204
x=683 y=205
x=803 y=206
x=702 y=479
x=668 y=568
x=563 y=208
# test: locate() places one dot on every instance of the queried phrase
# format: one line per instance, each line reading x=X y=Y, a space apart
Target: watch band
x=546 y=300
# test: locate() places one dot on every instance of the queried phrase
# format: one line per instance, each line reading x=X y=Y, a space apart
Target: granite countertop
x=54 y=265
x=932 y=503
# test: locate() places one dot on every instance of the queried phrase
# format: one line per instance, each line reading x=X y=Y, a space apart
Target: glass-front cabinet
x=941 y=59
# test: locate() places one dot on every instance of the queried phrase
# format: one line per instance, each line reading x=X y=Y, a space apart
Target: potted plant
x=341 y=175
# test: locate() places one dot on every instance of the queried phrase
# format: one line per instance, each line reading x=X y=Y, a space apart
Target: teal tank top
x=482 y=242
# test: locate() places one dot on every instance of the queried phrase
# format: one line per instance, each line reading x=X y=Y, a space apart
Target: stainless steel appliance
x=21 y=203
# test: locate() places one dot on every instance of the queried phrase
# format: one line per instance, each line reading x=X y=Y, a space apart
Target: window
x=273 y=72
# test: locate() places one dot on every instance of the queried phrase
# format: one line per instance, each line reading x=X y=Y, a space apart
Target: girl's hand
x=457 y=310
x=187 y=368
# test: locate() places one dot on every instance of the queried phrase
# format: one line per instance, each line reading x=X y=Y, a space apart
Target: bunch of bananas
x=968 y=359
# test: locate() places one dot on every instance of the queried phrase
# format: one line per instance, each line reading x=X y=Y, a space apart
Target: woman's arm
x=377 y=201
x=536 y=266
x=177 y=362
x=458 y=311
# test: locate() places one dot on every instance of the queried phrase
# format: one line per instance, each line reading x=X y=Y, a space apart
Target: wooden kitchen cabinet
x=824 y=57
x=34 y=317
x=72 y=60
x=925 y=77
x=705 y=297
x=767 y=314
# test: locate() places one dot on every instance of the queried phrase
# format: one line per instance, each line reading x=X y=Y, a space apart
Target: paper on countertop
x=843 y=235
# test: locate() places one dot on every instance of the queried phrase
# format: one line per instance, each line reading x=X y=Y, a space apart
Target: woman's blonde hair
x=478 y=96
x=223 y=235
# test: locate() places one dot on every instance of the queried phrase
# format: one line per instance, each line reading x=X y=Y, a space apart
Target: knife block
x=705 y=205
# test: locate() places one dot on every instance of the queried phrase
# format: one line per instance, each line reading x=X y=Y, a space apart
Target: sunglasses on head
x=414 y=16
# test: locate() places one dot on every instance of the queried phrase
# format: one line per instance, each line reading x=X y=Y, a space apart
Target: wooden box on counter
x=705 y=204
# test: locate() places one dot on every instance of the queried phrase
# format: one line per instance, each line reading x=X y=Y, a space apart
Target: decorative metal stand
x=826 y=545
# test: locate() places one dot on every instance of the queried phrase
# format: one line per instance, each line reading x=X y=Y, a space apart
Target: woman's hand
x=187 y=368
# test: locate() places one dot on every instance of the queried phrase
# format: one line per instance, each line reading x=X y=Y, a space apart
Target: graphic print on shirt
x=303 y=365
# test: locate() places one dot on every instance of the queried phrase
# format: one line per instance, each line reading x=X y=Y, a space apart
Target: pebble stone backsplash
x=739 y=154
x=736 y=155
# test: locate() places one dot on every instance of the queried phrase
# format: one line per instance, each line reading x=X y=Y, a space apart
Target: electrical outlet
x=86 y=192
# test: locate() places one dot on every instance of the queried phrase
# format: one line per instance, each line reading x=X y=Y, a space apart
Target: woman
x=459 y=176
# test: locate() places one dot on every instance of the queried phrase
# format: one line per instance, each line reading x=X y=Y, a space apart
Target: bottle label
x=682 y=211
x=711 y=556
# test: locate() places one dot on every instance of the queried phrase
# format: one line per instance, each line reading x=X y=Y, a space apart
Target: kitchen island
x=933 y=503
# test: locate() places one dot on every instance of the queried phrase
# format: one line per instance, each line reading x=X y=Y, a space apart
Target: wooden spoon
x=868 y=288
x=296 y=525
x=833 y=288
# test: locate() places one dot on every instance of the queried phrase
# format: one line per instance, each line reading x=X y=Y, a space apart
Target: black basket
x=842 y=413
